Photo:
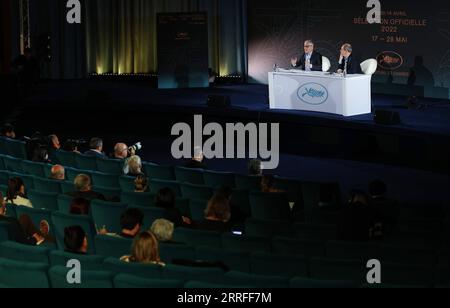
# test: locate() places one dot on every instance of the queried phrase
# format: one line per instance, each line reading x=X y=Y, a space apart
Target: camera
x=136 y=147
x=77 y=142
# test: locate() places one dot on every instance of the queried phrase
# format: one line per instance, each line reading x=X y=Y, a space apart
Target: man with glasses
x=122 y=151
x=347 y=62
x=311 y=60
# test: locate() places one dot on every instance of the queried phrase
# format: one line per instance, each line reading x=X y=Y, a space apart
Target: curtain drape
x=121 y=34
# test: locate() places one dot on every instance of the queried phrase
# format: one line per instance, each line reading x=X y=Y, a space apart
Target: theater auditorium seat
x=369 y=67
x=326 y=64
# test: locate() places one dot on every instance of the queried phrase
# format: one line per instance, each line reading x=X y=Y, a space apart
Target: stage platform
x=422 y=139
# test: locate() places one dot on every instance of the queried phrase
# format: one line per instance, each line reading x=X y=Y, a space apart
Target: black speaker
x=385 y=117
x=219 y=101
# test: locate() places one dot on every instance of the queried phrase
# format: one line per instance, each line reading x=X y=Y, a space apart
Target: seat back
x=158 y=172
x=369 y=67
x=107 y=214
x=85 y=162
x=89 y=279
x=110 y=166
x=88 y=262
x=25 y=253
x=125 y=281
x=24 y=274
x=66 y=159
x=61 y=221
x=111 y=246
x=43 y=200
x=326 y=64
x=188 y=175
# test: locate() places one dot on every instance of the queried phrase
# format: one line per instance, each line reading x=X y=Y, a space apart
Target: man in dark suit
x=310 y=61
x=83 y=189
x=347 y=62
x=95 y=148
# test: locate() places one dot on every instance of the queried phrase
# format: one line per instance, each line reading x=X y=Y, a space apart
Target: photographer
x=37 y=148
x=123 y=152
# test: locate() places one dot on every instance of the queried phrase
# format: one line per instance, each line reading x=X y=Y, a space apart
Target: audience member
x=197 y=160
x=165 y=198
x=15 y=193
x=163 y=230
x=145 y=250
x=8 y=131
x=217 y=215
x=58 y=173
x=75 y=240
x=95 y=148
x=141 y=184
x=238 y=216
x=22 y=230
x=83 y=189
x=134 y=166
x=131 y=223
x=54 y=142
x=40 y=155
x=122 y=152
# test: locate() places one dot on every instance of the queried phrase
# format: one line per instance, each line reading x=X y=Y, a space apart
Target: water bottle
x=275 y=67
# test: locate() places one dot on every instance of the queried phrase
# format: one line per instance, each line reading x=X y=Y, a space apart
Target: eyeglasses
x=307 y=46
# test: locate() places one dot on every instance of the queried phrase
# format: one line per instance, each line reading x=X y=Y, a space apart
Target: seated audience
x=165 y=198
x=255 y=167
x=15 y=193
x=75 y=240
x=268 y=183
x=163 y=230
x=131 y=223
x=22 y=230
x=145 y=250
x=197 y=160
x=134 y=166
x=58 y=173
x=8 y=131
x=83 y=189
x=217 y=215
x=141 y=184
x=357 y=219
x=95 y=148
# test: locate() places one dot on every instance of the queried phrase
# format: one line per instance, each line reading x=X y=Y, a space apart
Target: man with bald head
x=121 y=151
x=58 y=173
x=311 y=60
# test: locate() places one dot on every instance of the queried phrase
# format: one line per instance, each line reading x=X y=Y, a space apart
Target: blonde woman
x=134 y=166
x=145 y=249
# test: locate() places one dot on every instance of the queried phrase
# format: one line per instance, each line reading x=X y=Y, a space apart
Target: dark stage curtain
x=121 y=34
x=5 y=37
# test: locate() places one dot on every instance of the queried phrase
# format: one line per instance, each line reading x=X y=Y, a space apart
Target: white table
x=320 y=92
